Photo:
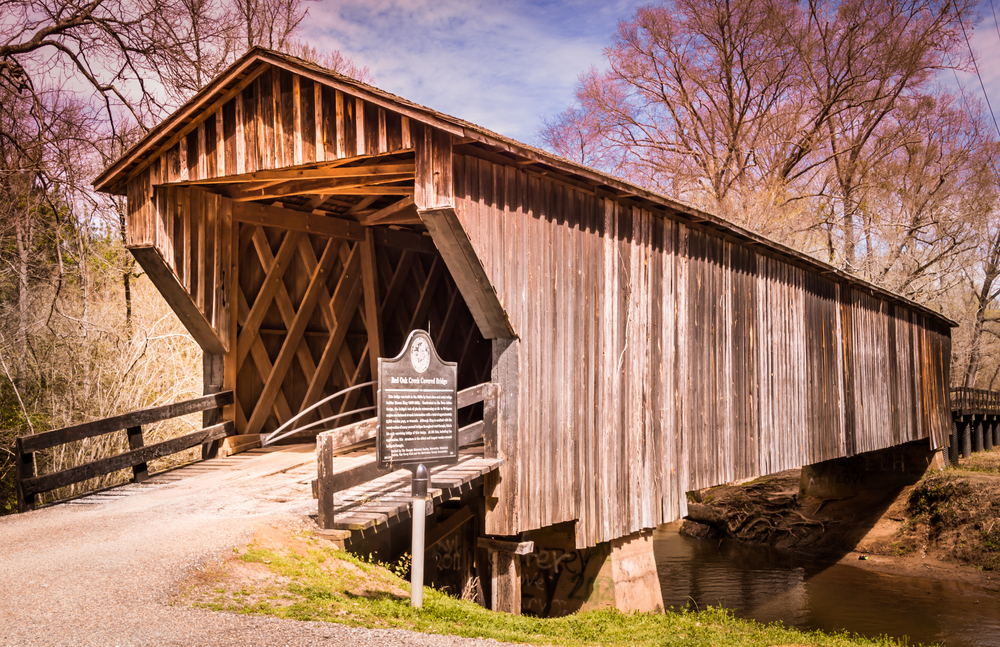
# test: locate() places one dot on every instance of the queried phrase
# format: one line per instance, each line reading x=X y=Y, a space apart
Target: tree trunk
x=23 y=236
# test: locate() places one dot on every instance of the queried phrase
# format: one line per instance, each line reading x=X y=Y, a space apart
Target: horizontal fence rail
x=29 y=484
x=336 y=441
x=979 y=400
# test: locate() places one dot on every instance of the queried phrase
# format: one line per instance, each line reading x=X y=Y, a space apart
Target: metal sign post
x=419 y=492
x=417 y=428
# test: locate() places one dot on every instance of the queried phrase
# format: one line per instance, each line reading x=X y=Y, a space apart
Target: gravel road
x=102 y=571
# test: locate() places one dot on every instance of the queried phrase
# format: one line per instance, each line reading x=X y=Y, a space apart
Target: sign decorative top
x=417 y=406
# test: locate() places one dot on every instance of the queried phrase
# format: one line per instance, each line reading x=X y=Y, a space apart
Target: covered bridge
x=300 y=223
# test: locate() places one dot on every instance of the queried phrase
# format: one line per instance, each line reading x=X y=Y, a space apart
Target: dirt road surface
x=102 y=571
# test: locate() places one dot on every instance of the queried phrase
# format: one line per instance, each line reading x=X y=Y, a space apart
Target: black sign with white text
x=417 y=406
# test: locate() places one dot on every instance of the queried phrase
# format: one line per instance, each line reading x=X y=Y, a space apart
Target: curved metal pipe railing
x=277 y=434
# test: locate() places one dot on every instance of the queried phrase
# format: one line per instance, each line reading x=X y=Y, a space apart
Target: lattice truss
x=302 y=332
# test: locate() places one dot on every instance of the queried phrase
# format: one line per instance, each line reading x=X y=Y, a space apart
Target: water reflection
x=770 y=586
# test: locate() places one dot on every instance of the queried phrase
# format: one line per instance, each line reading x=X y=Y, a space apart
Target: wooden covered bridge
x=301 y=223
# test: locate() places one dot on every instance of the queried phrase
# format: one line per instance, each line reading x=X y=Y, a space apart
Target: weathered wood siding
x=657 y=357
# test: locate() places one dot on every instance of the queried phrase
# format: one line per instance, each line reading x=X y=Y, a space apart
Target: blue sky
x=509 y=65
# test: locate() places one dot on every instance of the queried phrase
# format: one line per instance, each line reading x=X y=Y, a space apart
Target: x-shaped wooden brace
x=295 y=329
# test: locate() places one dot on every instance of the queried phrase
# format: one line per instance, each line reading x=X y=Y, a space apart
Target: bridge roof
x=224 y=87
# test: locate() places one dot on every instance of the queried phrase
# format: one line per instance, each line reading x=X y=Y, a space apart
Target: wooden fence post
x=213 y=368
x=140 y=472
x=25 y=470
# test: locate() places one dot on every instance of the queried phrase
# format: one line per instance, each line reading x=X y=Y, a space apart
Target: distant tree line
x=823 y=124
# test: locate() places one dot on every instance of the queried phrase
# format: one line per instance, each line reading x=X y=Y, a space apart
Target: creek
x=768 y=585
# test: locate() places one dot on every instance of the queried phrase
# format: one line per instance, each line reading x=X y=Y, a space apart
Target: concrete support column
x=953 y=449
x=996 y=431
x=988 y=427
x=633 y=569
x=977 y=439
x=966 y=436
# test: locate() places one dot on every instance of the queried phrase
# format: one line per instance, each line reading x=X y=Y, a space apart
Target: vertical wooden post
x=373 y=321
x=140 y=472
x=506 y=587
x=505 y=559
x=954 y=450
x=213 y=371
x=501 y=487
x=25 y=464
x=491 y=403
x=324 y=462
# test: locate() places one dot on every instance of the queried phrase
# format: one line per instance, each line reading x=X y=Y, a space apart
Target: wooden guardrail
x=974 y=400
x=336 y=441
x=29 y=484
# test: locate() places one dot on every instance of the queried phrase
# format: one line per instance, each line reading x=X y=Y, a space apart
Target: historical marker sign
x=417 y=406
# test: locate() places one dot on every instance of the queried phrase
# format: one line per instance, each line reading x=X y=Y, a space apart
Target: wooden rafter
x=270 y=216
x=330 y=171
x=345 y=186
x=393 y=209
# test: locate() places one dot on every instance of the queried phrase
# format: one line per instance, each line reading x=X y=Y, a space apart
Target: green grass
x=330 y=585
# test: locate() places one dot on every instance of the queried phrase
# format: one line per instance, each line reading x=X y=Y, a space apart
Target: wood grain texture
x=657 y=356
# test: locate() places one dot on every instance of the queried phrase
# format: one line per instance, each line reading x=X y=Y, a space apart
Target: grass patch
x=311 y=580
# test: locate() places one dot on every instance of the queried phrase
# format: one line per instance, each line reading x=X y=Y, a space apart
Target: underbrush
x=308 y=579
x=957 y=512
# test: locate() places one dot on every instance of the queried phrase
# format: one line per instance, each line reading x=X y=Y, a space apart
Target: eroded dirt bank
x=944 y=527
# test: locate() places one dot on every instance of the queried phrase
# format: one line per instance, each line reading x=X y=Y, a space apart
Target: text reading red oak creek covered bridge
x=301 y=223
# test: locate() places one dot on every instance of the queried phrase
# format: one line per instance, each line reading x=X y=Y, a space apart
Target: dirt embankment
x=946 y=526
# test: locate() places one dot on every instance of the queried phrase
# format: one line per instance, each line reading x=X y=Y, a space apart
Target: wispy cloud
x=507 y=66
x=503 y=66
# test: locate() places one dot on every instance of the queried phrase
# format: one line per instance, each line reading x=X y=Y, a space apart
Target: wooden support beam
x=310 y=223
x=386 y=212
x=373 y=319
x=277 y=375
x=412 y=241
x=351 y=259
x=328 y=187
x=507 y=546
x=258 y=353
x=178 y=298
x=447 y=527
x=502 y=489
x=346 y=299
x=505 y=560
x=284 y=302
x=272 y=281
x=328 y=171
x=468 y=272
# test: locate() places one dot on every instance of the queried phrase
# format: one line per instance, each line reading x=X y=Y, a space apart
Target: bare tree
x=982 y=273
x=334 y=61
x=269 y=23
